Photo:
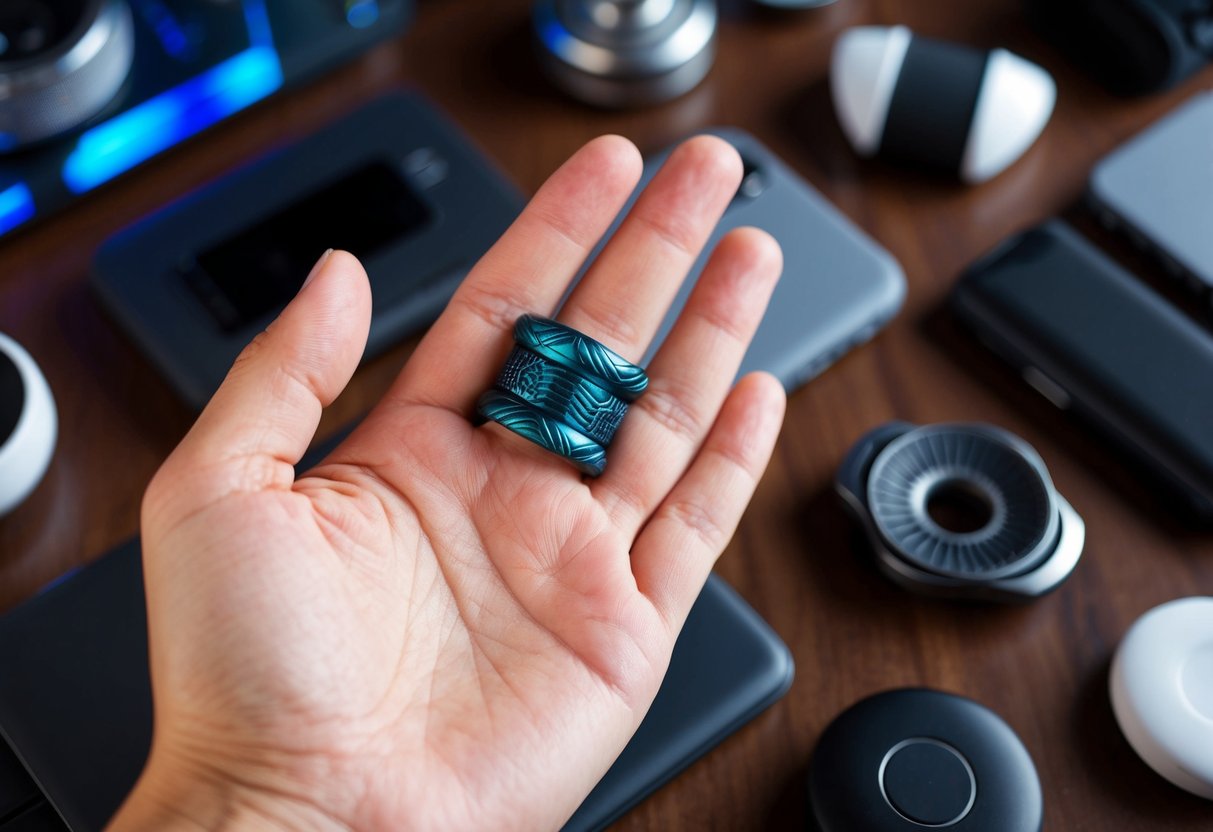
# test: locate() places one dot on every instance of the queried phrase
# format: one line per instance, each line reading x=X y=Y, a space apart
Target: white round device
x=937 y=104
x=28 y=424
x=1162 y=691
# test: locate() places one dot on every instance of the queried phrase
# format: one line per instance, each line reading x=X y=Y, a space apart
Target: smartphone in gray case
x=839 y=287
x=1157 y=189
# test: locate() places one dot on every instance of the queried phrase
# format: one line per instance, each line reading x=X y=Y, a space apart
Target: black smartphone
x=1094 y=340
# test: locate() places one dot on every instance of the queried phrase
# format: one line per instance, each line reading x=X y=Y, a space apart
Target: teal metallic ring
x=581 y=354
x=562 y=394
x=563 y=391
x=522 y=418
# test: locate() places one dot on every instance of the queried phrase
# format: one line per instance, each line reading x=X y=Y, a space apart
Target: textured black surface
x=933 y=103
x=844 y=786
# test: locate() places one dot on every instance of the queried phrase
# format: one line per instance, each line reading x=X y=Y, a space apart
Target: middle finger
x=624 y=296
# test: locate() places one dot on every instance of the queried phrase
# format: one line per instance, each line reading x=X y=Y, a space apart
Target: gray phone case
x=1158 y=188
x=839 y=287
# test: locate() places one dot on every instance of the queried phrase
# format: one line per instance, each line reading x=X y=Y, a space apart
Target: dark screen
x=257 y=271
x=1104 y=330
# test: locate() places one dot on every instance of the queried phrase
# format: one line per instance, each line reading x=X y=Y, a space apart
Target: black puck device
x=914 y=759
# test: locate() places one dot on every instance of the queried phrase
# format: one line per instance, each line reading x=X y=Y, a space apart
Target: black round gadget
x=915 y=759
x=61 y=63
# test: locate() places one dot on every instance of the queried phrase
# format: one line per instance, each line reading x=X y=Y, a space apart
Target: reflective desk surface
x=796 y=558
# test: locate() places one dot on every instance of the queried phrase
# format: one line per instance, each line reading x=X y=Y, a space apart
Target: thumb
x=261 y=420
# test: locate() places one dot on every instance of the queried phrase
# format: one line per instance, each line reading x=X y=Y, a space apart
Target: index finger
x=527 y=270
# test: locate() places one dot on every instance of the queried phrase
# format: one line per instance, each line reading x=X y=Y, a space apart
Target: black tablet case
x=75 y=699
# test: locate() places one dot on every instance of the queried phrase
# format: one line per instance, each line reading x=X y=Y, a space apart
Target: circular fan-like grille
x=992 y=465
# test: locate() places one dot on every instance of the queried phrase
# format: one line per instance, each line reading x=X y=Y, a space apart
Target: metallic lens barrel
x=61 y=63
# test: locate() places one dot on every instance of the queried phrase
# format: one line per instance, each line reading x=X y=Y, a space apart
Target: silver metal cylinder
x=61 y=63
x=618 y=53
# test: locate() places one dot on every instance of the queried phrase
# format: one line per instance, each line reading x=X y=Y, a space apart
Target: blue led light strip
x=115 y=146
x=16 y=206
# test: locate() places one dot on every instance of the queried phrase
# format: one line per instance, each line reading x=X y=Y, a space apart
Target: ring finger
x=690 y=377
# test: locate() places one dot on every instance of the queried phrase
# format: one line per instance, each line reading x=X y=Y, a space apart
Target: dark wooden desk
x=796 y=557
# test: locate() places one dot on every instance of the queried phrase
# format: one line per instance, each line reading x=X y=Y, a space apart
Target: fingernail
x=316 y=269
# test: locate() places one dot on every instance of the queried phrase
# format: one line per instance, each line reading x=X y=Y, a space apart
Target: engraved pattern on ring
x=562 y=394
x=581 y=354
x=523 y=419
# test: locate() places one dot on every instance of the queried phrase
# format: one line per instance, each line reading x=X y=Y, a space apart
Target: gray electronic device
x=395 y=183
x=962 y=510
x=839 y=287
x=1158 y=188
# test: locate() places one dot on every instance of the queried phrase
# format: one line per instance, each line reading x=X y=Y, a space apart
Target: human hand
x=443 y=626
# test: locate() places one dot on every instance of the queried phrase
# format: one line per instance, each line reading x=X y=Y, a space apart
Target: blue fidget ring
x=562 y=394
x=563 y=391
x=513 y=413
x=581 y=354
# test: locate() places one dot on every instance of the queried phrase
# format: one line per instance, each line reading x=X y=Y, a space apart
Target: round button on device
x=928 y=782
x=917 y=759
x=1162 y=691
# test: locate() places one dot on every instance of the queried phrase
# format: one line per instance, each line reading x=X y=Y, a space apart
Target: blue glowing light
x=155 y=125
x=361 y=13
x=16 y=206
x=257 y=18
x=115 y=146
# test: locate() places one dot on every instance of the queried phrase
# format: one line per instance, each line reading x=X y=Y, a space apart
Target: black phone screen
x=258 y=270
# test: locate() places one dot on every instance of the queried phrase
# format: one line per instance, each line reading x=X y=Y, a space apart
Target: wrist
x=189 y=799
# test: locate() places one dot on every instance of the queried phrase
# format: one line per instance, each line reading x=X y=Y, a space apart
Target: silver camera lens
x=61 y=63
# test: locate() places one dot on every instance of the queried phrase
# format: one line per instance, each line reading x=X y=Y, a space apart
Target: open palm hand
x=443 y=626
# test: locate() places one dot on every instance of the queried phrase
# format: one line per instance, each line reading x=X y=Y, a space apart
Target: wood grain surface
x=797 y=559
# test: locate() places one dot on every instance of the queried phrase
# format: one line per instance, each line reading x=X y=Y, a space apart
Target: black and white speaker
x=936 y=104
